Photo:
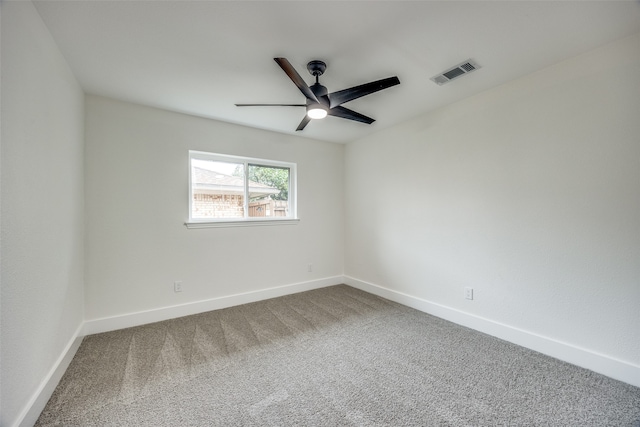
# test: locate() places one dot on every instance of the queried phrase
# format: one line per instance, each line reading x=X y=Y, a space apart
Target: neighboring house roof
x=205 y=181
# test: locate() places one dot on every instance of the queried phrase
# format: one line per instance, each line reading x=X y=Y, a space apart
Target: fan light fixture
x=316 y=111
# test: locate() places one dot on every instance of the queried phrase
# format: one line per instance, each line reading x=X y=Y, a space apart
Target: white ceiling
x=202 y=57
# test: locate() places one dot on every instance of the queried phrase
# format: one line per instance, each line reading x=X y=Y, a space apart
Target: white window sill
x=241 y=223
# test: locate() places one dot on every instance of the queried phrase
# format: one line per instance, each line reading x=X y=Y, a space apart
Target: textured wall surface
x=529 y=193
x=42 y=206
x=137 y=247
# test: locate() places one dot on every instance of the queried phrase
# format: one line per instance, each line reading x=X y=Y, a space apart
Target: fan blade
x=270 y=105
x=346 y=95
x=295 y=77
x=346 y=113
x=305 y=121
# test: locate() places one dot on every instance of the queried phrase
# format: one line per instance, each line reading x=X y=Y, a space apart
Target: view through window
x=231 y=188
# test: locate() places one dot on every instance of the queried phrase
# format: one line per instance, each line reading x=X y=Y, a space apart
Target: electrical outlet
x=177 y=286
x=309 y=268
x=468 y=293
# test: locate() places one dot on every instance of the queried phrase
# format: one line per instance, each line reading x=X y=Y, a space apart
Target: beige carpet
x=331 y=357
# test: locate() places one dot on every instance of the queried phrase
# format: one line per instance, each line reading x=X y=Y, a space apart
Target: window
x=232 y=190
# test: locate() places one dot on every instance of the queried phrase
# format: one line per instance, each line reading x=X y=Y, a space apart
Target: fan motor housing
x=318 y=90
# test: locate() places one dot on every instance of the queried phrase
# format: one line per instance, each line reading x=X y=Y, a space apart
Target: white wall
x=137 y=203
x=42 y=208
x=529 y=193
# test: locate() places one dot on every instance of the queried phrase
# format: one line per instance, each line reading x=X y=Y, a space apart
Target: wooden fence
x=268 y=208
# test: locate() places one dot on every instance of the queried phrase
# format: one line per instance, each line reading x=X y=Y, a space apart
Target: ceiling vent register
x=454 y=72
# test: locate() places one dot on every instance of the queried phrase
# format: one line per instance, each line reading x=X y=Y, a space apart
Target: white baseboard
x=602 y=364
x=150 y=316
x=38 y=401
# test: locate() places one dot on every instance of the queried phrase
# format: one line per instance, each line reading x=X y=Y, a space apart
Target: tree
x=269 y=175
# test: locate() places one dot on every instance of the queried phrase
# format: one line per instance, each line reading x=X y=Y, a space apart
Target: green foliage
x=271 y=176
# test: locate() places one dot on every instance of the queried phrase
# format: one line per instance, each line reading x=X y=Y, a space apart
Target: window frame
x=246 y=220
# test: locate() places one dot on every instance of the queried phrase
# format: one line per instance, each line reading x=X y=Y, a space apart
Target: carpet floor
x=335 y=356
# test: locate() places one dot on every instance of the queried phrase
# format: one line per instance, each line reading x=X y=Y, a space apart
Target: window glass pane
x=217 y=189
x=226 y=188
x=268 y=191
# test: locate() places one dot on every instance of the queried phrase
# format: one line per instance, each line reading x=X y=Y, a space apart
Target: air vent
x=454 y=72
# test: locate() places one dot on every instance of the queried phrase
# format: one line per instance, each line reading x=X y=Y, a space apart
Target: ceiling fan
x=320 y=102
